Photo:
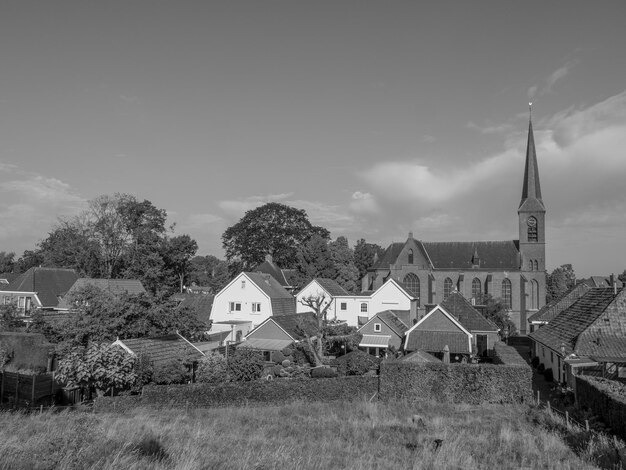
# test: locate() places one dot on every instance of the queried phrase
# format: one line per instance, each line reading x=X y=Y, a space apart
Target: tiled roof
x=297 y=324
x=458 y=306
x=48 y=283
x=419 y=356
x=434 y=341
x=556 y=306
x=270 y=286
x=161 y=349
x=290 y=276
x=567 y=326
x=458 y=255
x=604 y=348
x=269 y=267
x=199 y=303
x=331 y=286
x=392 y=320
x=389 y=256
x=9 y=277
x=283 y=306
x=114 y=286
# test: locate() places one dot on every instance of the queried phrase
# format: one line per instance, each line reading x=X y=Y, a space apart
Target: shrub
x=356 y=363
x=302 y=354
x=323 y=372
x=170 y=372
x=287 y=352
x=144 y=370
x=278 y=357
x=541 y=368
x=212 y=369
x=286 y=363
x=245 y=365
x=547 y=374
x=535 y=361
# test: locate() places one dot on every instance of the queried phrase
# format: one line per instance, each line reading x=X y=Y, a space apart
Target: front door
x=481 y=345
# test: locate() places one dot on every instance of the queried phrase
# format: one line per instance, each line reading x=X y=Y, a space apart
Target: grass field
x=321 y=436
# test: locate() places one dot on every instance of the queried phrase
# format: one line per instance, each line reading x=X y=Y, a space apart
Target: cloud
x=32 y=204
x=490 y=128
x=363 y=203
x=556 y=76
x=237 y=208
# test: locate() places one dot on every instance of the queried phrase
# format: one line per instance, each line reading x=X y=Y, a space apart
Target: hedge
x=605 y=398
x=261 y=392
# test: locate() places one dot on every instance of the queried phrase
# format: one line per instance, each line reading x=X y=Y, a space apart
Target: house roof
x=392 y=320
x=419 y=356
x=331 y=286
x=296 y=324
x=556 y=306
x=566 y=327
x=434 y=341
x=8 y=277
x=269 y=285
x=114 y=286
x=375 y=341
x=201 y=304
x=160 y=349
x=269 y=267
x=458 y=306
x=48 y=283
x=265 y=344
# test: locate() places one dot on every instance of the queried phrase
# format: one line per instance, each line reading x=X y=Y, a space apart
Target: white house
x=357 y=309
x=247 y=301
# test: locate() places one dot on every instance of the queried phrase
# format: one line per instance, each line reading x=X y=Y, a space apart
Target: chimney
x=613 y=283
x=410 y=235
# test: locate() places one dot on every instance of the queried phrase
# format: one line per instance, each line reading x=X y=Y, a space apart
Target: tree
x=245 y=365
x=364 y=255
x=212 y=369
x=314 y=259
x=7 y=262
x=561 y=280
x=497 y=311
x=179 y=252
x=30 y=259
x=9 y=318
x=346 y=273
x=622 y=277
x=319 y=305
x=98 y=367
x=274 y=229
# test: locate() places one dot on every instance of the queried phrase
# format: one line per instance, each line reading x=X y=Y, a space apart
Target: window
x=412 y=285
x=238 y=336
x=21 y=301
x=476 y=288
x=377 y=327
x=243 y=284
x=256 y=307
x=447 y=288
x=536 y=265
x=506 y=294
x=410 y=256
x=534 y=294
x=532 y=229
x=343 y=306
x=7 y=300
x=363 y=307
x=234 y=307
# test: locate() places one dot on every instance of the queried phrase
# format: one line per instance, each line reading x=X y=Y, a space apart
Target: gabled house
x=357 y=309
x=39 y=288
x=591 y=329
x=437 y=330
x=546 y=313
x=279 y=332
x=113 y=286
x=484 y=332
x=384 y=330
x=246 y=302
x=200 y=304
x=161 y=349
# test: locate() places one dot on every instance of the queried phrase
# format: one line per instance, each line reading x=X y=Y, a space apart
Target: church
x=511 y=270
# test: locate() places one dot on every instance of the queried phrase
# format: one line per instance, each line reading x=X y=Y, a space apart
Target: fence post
x=32 y=392
x=587 y=425
x=17 y=389
x=549 y=408
x=567 y=419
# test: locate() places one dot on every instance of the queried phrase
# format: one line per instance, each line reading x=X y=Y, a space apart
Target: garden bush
x=323 y=372
x=245 y=365
x=356 y=363
x=287 y=352
x=170 y=372
x=212 y=369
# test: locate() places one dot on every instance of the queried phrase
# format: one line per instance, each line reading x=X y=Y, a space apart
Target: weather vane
x=530 y=109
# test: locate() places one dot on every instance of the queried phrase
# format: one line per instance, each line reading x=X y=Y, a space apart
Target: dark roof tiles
x=458 y=306
x=49 y=284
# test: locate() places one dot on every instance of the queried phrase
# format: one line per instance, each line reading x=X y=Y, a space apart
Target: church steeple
x=531 y=189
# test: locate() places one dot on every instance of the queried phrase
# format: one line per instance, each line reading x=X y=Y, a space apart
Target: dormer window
x=532 y=229
x=410 y=256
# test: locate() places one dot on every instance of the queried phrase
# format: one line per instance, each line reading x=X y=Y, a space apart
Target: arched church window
x=536 y=265
x=447 y=288
x=476 y=289
x=506 y=294
x=410 y=256
x=412 y=285
x=532 y=229
x=534 y=294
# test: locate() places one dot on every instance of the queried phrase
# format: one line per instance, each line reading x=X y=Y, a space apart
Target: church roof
x=390 y=255
x=458 y=255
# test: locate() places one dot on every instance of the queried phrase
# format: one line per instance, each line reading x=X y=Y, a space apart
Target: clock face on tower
x=532 y=222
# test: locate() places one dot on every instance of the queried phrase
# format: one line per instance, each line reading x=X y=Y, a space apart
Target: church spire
x=531 y=189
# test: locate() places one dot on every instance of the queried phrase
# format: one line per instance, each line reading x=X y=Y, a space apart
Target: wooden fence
x=20 y=388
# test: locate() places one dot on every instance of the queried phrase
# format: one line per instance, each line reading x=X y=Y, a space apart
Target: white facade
x=240 y=307
x=348 y=308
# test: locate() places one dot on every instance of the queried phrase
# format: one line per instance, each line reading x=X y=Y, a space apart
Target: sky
x=377 y=118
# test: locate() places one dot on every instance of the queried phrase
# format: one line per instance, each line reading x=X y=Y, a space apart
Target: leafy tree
x=341 y=339
x=497 y=311
x=245 y=365
x=274 y=229
x=346 y=273
x=622 y=277
x=179 y=252
x=209 y=271
x=212 y=369
x=98 y=367
x=9 y=318
x=561 y=280
x=172 y=371
x=30 y=258
x=314 y=259
x=7 y=262
x=364 y=255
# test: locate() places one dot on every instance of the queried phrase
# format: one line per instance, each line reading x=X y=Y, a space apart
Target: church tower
x=532 y=213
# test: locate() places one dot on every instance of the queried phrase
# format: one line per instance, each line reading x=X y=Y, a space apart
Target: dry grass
x=297 y=436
